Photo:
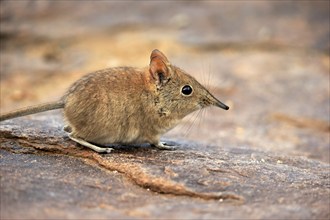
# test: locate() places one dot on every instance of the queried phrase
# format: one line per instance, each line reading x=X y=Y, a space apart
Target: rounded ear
x=158 y=67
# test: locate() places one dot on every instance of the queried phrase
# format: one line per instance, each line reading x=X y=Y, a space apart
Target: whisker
x=200 y=119
x=183 y=127
x=192 y=124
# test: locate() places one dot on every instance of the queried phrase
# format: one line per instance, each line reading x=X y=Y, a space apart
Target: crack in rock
x=135 y=173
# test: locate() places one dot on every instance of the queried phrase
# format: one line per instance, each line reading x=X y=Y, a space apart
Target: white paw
x=164 y=146
x=107 y=150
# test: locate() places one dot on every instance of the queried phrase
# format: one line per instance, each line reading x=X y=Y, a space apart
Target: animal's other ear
x=159 y=67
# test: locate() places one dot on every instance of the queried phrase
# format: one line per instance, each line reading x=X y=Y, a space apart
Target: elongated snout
x=221 y=105
x=217 y=103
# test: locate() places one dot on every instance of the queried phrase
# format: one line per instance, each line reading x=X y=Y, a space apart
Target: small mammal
x=127 y=105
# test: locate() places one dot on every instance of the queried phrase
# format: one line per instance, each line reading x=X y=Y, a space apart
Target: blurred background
x=267 y=60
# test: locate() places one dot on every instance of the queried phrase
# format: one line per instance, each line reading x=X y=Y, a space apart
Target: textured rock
x=44 y=174
x=268 y=157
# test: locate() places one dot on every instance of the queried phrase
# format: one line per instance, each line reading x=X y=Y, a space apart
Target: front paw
x=164 y=146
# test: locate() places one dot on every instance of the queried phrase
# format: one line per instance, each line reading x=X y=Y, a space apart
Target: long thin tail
x=32 y=109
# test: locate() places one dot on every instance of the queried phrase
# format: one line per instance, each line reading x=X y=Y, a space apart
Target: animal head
x=178 y=92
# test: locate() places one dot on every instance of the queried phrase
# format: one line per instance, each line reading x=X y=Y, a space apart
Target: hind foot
x=91 y=146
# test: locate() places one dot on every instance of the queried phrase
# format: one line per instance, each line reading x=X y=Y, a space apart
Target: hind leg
x=89 y=145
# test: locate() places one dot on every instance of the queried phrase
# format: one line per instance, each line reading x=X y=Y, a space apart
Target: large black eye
x=186 y=90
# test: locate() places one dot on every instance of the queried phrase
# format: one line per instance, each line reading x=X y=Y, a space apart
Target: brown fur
x=130 y=105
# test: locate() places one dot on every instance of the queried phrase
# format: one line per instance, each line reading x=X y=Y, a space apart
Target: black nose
x=221 y=105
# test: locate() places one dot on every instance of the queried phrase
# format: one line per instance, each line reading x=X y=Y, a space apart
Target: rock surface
x=268 y=157
x=41 y=168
